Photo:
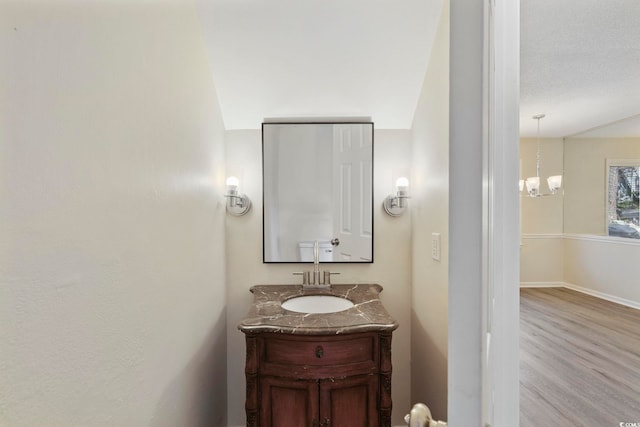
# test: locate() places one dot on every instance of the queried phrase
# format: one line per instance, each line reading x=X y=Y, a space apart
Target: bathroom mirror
x=317 y=185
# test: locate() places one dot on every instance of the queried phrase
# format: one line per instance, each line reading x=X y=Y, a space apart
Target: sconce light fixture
x=395 y=205
x=533 y=183
x=237 y=204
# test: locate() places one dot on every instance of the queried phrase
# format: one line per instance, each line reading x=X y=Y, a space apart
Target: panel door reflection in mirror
x=317 y=185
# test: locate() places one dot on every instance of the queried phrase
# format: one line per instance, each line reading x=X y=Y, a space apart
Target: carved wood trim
x=385 y=380
x=385 y=353
x=251 y=374
x=251 y=361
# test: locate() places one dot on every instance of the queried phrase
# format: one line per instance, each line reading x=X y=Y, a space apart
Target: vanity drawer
x=357 y=349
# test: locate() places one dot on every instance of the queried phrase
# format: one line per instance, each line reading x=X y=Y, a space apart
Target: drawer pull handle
x=319 y=352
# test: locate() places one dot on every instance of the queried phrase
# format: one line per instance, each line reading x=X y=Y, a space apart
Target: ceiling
x=580 y=61
x=322 y=58
x=580 y=65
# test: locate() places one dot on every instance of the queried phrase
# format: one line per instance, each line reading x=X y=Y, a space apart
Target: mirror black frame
x=331 y=122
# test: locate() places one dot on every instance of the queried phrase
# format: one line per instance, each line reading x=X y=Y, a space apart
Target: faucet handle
x=327 y=277
x=305 y=276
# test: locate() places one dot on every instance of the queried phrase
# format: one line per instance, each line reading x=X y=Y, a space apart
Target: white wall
x=391 y=269
x=585 y=180
x=541 y=215
x=542 y=249
x=429 y=208
x=604 y=267
x=112 y=296
x=542 y=260
x=597 y=265
x=562 y=242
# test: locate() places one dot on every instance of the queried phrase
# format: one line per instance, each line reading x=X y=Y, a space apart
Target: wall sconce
x=237 y=204
x=395 y=205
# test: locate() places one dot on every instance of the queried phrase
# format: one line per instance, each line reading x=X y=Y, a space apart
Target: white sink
x=317 y=304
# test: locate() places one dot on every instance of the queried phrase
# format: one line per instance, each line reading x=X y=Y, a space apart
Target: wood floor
x=579 y=360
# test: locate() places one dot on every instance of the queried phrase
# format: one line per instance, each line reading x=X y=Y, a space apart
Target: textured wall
x=112 y=296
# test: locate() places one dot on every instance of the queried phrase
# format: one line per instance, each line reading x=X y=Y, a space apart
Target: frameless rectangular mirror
x=317 y=185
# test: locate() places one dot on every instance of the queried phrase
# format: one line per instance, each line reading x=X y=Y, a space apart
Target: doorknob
x=335 y=242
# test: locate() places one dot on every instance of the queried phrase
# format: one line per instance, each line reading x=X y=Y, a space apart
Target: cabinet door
x=288 y=402
x=349 y=402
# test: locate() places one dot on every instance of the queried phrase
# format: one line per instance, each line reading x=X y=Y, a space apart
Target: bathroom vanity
x=318 y=369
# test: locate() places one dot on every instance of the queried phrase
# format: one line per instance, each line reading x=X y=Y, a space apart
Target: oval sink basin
x=317 y=304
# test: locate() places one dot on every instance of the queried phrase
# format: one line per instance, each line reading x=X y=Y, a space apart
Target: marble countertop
x=267 y=315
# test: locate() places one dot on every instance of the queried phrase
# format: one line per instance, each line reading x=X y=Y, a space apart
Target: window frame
x=632 y=163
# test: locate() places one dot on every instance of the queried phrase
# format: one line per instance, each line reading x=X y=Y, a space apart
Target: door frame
x=483 y=359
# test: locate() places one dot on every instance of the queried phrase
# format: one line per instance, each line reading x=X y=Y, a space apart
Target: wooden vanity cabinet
x=318 y=381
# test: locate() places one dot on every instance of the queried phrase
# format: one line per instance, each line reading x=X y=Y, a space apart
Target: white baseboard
x=597 y=294
x=541 y=284
x=602 y=295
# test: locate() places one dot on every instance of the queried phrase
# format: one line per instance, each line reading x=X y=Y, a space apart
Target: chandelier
x=533 y=183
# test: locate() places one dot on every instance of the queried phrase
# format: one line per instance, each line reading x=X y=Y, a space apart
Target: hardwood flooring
x=579 y=360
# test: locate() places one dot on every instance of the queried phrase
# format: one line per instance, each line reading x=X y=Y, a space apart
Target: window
x=623 y=206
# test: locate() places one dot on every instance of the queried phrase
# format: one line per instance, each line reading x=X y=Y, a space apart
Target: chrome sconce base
x=395 y=205
x=237 y=204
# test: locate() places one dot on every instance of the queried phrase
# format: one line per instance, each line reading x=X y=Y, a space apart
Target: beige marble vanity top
x=267 y=315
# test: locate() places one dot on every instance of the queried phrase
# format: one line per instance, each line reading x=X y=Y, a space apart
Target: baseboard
x=597 y=294
x=541 y=284
x=602 y=295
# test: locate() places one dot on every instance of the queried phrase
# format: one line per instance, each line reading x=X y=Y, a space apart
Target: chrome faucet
x=316 y=280
x=316 y=263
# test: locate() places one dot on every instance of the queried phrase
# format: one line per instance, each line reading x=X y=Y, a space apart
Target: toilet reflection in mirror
x=325 y=251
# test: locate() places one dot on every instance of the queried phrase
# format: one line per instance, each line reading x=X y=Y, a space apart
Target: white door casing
x=501 y=383
x=483 y=357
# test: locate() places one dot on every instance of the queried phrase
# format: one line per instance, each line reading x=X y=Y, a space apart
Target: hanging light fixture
x=533 y=183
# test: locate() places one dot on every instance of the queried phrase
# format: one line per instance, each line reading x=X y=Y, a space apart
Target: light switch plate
x=435 y=246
